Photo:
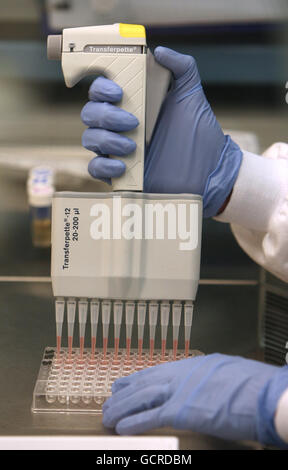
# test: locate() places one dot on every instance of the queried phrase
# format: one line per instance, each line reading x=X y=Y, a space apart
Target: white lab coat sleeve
x=281 y=416
x=258 y=209
x=258 y=213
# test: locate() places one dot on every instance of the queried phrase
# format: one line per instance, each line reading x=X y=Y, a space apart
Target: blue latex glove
x=225 y=396
x=188 y=152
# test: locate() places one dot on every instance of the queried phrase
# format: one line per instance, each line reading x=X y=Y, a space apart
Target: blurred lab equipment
x=40 y=189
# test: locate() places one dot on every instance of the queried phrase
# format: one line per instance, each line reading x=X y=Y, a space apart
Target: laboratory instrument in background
x=40 y=190
x=123 y=256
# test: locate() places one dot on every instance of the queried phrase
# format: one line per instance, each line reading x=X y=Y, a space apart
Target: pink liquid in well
x=175 y=347
x=93 y=345
x=116 y=347
x=187 y=348
x=128 y=347
x=81 y=346
x=105 y=345
x=163 y=349
x=152 y=342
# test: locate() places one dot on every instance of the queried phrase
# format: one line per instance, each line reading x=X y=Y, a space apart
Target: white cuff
x=261 y=183
x=281 y=417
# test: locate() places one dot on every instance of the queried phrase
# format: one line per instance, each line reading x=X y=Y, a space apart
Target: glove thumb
x=178 y=64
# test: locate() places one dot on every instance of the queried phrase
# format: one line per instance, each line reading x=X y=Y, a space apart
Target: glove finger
x=135 y=402
x=105 y=168
x=139 y=423
x=103 y=89
x=107 y=116
x=179 y=64
x=107 y=142
x=130 y=389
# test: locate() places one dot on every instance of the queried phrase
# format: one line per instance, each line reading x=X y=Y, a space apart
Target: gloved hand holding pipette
x=188 y=152
x=225 y=396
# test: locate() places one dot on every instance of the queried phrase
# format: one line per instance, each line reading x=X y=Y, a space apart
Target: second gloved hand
x=188 y=153
x=225 y=396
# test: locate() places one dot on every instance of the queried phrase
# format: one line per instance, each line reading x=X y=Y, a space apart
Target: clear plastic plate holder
x=70 y=383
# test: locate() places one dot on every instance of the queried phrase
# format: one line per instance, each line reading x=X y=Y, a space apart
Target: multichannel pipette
x=124 y=249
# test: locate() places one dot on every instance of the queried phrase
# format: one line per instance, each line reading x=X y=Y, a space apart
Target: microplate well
x=70 y=383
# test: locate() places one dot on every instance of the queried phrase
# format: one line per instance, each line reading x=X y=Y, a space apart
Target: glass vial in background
x=40 y=189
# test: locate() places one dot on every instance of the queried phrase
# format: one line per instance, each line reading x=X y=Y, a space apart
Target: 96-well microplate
x=68 y=382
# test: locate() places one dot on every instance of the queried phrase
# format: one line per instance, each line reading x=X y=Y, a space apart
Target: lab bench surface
x=27 y=327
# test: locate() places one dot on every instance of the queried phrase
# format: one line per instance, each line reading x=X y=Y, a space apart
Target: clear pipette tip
x=94 y=317
x=118 y=311
x=188 y=318
x=59 y=316
x=164 y=316
x=82 y=313
x=141 y=315
x=153 y=316
x=140 y=349
x=176 y=319
x=71 y=310
x=129 y=317
x=106 y=313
